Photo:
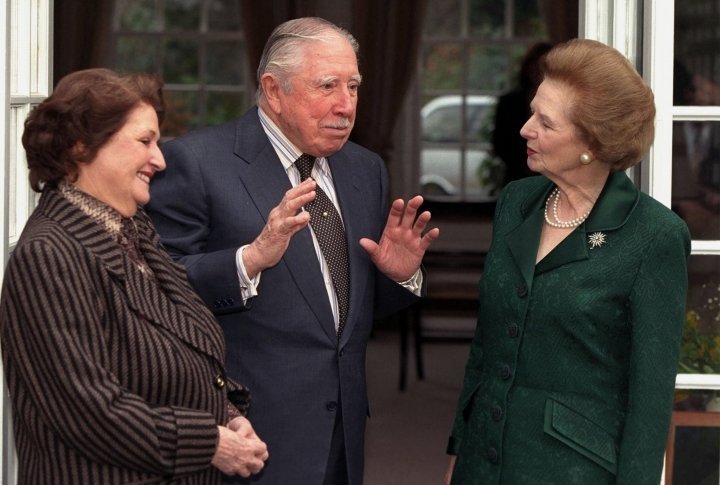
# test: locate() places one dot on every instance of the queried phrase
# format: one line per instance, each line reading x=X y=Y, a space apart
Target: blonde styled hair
x=610 y=104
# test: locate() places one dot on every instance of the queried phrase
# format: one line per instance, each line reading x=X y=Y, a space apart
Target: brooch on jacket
x=596 y=239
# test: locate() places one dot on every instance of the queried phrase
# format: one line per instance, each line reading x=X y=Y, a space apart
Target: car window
x=452 y=164
x=442 y=125
x=478 y=123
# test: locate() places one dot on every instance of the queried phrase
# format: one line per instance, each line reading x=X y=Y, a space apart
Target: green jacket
x=572 y=368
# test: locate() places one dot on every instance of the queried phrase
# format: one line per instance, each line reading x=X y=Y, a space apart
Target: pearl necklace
x=555 y=197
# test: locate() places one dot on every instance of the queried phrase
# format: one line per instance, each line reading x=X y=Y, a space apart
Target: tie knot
x=305 y=164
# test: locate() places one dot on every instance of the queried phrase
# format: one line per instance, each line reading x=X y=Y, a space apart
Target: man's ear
x=271 y=89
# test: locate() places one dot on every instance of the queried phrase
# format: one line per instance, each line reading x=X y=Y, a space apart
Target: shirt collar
x=285 y=149
x=100 y=212
x=615 y=204
x=612 y=209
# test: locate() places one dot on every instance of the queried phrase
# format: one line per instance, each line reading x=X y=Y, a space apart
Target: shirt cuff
x=414 y=283
x=248 y=286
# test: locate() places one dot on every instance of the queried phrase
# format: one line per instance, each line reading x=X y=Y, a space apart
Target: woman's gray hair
x=281 y=57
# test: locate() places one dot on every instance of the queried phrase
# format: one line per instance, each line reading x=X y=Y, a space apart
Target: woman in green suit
x=571 y=372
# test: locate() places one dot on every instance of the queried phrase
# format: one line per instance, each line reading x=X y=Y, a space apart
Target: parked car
x=445 y=151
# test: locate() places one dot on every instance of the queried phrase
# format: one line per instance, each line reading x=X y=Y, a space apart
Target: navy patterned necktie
x=330 y=234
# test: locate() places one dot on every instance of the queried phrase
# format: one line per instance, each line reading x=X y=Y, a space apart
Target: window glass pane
x=182 y=15
x=135 y=54
x=441 y=153
x=17 y=174
x=487 y=18
x=441 y=169
x=530 y=23
x=198 y=48
x=697 y=53
x=182 y=109
x=443 y=66
x=222 y=107
x=694 y=448
x=693 y=452
x=137 y=15
x=479 y=114
x=453 y=164
x=219 y=70
x=695 y=400
x=700 y=351
x=482 y=46
x=441 y=120
x=517 y=55
x=442 y=18
x=224 y=15
x=483 y=174
x=489 y=67
x=696 y=176
x=180 y=63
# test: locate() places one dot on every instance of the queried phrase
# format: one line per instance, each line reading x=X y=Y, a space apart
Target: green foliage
x=699 y=352
x=182 y=15
x=137 y=15
x=443 y=67
x=223 y=107
x=491 y=171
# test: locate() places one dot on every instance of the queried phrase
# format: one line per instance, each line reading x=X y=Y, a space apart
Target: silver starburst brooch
x=596 y=239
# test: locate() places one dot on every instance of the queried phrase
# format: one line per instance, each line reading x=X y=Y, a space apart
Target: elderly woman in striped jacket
x=114 y=365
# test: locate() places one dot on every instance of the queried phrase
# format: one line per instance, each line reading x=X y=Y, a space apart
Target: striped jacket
x=114 y=377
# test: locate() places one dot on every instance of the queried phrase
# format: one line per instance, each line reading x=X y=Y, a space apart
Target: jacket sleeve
x=179 y=208
x=390 y=297
x=54 y=339
x=657 y=306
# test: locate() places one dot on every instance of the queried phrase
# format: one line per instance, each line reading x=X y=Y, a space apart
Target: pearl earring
x=585 y=158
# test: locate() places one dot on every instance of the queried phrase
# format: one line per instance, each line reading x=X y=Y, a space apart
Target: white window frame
x=27 y=53
x=203 y=36
x=467 y=41
x=614 y=22
x=659 y=64
x=26 y=49
x=6 y=436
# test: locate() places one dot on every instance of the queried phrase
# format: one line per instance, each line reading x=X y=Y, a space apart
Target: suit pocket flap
x=580 y=434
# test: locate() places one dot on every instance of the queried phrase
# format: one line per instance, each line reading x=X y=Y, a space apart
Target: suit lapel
x=612 y=209
x=168 y=300
x=175 y=311
x=615 y=204
x=355 y=218
x=524 y=239
x=570 y=249
x=523 y=243
x=266 y=181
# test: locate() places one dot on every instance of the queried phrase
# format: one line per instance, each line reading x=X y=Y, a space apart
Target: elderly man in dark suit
x=295 y=290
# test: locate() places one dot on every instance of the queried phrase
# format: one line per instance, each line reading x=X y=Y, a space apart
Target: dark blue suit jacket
x=216 y=194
